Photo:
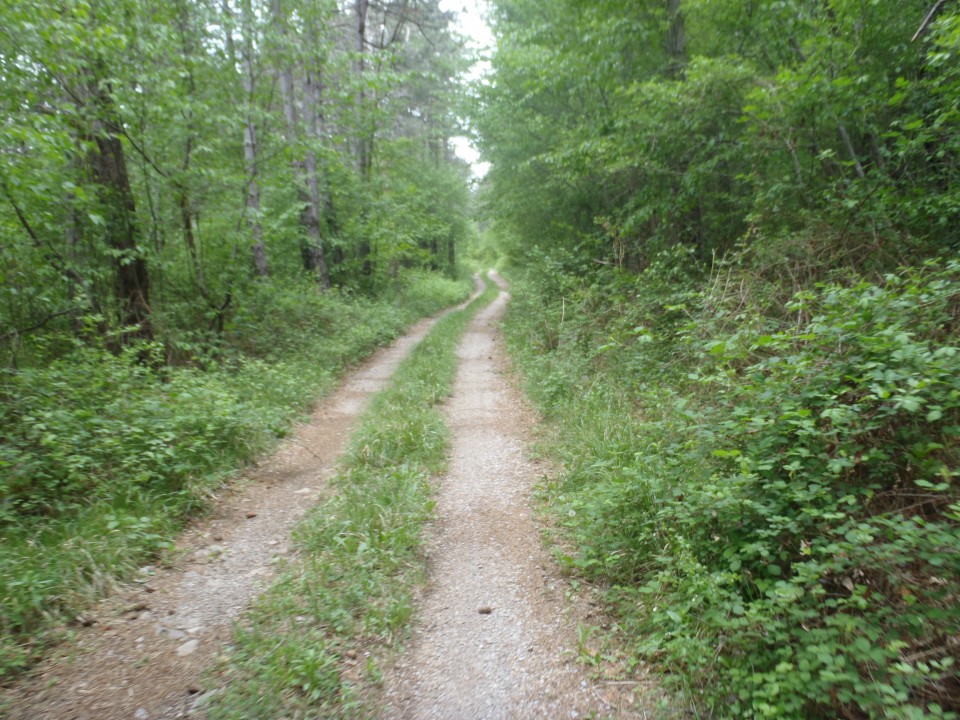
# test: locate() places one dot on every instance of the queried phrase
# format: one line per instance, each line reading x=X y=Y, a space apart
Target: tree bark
x=315 y=258
x=676 y=42
x=361 y=8
x=252 y=200
x=109 y=172
x=305 y=166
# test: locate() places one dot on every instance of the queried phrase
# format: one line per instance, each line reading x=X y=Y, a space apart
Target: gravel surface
x=144 y=654
x=495 y=636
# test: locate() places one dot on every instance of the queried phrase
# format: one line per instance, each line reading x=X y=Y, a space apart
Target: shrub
x=781 y=524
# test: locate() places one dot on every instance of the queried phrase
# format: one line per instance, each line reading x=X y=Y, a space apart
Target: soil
x=144 y=653
x=496 y=635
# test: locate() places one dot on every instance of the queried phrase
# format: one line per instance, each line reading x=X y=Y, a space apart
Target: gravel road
x=143 y=656
x=495 y=637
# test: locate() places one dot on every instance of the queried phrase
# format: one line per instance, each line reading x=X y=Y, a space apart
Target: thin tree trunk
x=848 y=144
x=305 y=169
x=183 y=185
x=676 y=43
x=361 y=8
x=313 y=211
x=252 y=200
x=363 y=146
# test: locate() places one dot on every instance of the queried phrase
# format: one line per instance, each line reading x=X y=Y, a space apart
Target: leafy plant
x=778 y=523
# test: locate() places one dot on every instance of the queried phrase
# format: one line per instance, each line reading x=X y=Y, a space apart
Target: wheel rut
x=143 y=656
x=495 y=637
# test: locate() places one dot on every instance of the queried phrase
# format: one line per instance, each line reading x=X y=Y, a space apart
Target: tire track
x=493 y=637
x=143 y=656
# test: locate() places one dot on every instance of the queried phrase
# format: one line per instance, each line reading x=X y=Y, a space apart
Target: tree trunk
x=252 y=200
x=183 y=184
x=361 y=8
x=316 y=261
x=308 y=188
x=109 y=172
x=676 y=44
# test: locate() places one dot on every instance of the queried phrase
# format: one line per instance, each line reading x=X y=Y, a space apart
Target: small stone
x=172 y=633
x=218 y=538
x=188 y=648
x=193 y=690
x=251 y=514
x=303 y=491
x=141 y=714
x=149 y=588
x=485 y=610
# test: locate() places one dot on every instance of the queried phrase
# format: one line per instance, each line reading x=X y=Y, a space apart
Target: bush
x=781 y=524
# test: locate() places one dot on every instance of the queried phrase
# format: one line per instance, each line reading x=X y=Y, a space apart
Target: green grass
x=766 y=488
x=103 y=458
x=314 y=643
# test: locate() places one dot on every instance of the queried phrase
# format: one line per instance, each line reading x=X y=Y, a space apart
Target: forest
x=737 y=304
x=731 y=229
x=208 y=210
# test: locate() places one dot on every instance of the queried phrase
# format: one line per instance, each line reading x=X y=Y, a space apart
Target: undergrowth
x=766 y=486
x=313 y=644
x=102 y=457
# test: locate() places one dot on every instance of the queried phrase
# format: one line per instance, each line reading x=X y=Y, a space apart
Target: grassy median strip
x=313 y=644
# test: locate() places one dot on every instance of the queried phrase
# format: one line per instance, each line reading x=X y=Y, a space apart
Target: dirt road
x=495 y=637
x=143 y=657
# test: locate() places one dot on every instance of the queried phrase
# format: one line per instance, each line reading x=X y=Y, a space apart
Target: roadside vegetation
x=104 y=456
x=768 y=498
x=314 y=643
x=736 y=299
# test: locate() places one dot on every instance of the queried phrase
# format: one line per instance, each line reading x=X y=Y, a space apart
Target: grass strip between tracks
x=314 y=642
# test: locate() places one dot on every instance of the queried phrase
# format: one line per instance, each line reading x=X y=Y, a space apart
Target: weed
x=768 y=492
x=350 y=589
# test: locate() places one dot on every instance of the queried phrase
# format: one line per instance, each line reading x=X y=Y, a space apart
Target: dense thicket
x=739 y=311
x=207 y=209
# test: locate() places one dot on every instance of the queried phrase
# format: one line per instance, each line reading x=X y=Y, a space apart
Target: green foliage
x=756 y=402
x=785 y=118
x=351 y=587
x=769 y=492
x=101 y=456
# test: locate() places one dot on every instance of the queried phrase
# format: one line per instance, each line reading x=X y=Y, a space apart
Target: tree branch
x=21 y=331
x=931 y=16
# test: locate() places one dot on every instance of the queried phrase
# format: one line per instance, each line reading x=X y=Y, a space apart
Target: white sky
x=471 y=24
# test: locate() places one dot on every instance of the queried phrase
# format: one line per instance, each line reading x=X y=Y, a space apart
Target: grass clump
x=103 y=456
x=766 y=487
x=313 y=645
